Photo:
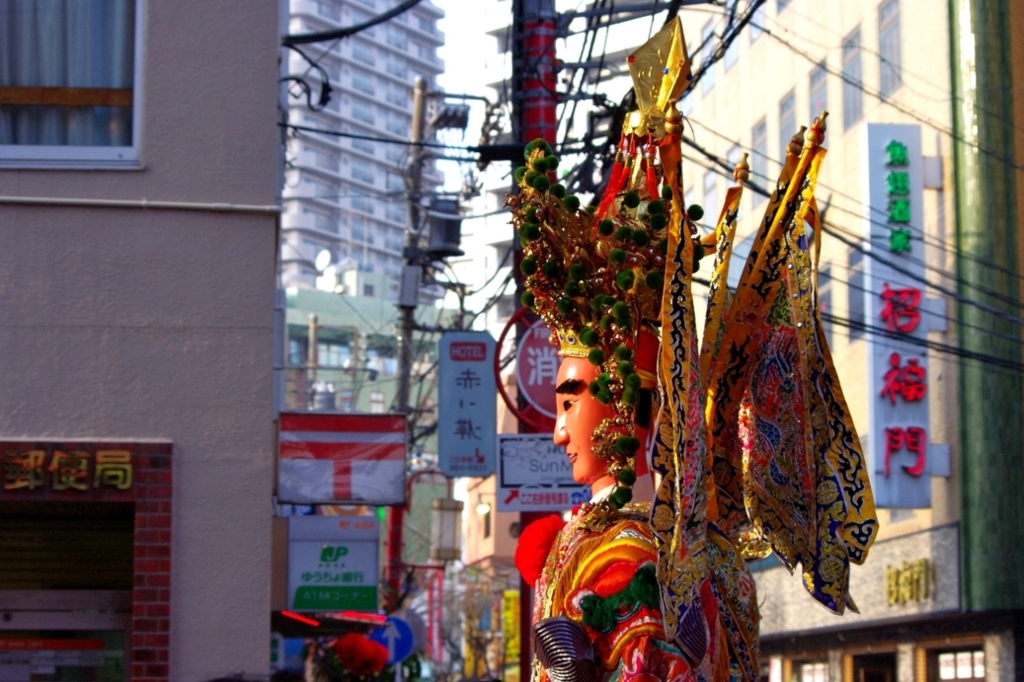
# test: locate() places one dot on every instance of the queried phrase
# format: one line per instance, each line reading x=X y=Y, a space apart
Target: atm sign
x=468 y=351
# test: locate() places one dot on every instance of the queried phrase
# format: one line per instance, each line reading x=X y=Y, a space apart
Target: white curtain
x=67 y=43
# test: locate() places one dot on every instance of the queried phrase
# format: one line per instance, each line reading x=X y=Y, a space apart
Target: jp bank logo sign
x=329 y=553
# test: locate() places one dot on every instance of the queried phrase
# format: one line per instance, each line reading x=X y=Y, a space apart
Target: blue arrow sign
x=396 y=636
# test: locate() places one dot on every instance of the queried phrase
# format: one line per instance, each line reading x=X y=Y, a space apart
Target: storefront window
x=59 y=655
x=962 y=665
x=814 y=672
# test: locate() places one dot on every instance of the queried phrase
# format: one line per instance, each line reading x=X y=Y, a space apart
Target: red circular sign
x=537 y=367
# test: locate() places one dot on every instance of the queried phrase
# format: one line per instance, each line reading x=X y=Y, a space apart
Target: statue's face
x=578 y=415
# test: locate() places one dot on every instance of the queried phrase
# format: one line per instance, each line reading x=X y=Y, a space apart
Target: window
x=363 y=172
x=362 y=111
x=855 y=294
x=707 y=35
x=425 y=52
x=710 y=198
x=363 y=82
x=368 y=3
x=395 y=153
x=757 y=24
x=395 y=182
x=399 y=96
x=318 y=188
x=733 y=156
x=297 y=351
x=397 y=212
x=361 y=18
x=397 y=38
x=328 y=222
x=376 y=397
x=362 y=204
x=814 y=672
x=394 y=240
x=425 y=24
x=68 y=82
x=825 y=300
x=787 y=123
x=759 y=157
x=363 y=52
x=397 y=67
x=781 y=5
x=732 y=54
x=333 y=355
x=329 y=10
x=347 y=400
x=364 y=146
x=890 y=65
x=962 y=665
x=397 y=125
x=852 y=93
x=322 y=159
x=818 y=90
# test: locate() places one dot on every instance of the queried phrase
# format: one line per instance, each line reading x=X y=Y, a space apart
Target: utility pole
x=408 y=297
x=533 y=115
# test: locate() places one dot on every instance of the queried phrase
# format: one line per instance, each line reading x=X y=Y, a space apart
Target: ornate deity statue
x=751 y=444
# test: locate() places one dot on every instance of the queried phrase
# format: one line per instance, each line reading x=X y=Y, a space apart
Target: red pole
x=534 y=102
x=396 y=519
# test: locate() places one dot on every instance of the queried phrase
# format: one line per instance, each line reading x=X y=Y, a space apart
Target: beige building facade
x=139 y=187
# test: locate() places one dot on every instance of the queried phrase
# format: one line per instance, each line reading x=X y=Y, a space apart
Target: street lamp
x=445 y=529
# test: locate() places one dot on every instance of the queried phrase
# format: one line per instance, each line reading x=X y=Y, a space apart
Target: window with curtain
x=818 y=91
x=759 y=158
x=853 y=107
x=711 y=206
x=67 y=76
x=787 y=123
x=890 y=65
x=707 y=36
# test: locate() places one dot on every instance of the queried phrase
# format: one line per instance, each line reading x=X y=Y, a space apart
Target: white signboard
x=333 y=563
x=467 y=404
x=534 y=474
x=899 y=317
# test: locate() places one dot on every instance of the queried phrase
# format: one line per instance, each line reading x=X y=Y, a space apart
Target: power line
x=334 y=34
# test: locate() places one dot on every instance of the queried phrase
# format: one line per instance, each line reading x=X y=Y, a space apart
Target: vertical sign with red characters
x=899 y=317
x=466 y=404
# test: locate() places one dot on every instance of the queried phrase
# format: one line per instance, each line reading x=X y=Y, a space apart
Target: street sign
x=396 y=636
x=467 y=404
x=534 y=474
x=341 y=458
x=333 y=563
x=537 y=368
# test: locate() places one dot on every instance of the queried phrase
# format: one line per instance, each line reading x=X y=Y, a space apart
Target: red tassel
x=652 y=182
x=535 y=544
x=614 y=182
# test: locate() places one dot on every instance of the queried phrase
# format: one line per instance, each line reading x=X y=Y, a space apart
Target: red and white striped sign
x=341 y=458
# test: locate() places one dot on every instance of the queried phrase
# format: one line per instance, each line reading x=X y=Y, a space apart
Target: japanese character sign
x=903 y=459
x=536 y=368
x=45 y=468
x=332 y=563
x=467 y=407
x=535 y=475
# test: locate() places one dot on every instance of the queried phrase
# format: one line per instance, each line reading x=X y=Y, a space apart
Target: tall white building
x=345 y=194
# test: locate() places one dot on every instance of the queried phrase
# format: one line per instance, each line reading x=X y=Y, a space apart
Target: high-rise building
x=348 y=194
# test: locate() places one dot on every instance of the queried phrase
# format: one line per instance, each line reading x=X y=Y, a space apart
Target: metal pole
x=407 y=299
x=533 y=104
x=311 y=360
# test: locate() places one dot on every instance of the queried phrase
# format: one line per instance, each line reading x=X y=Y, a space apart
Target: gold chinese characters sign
x=908 y=583
x=66 y=470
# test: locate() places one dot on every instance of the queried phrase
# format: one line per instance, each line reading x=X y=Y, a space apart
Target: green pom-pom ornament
x=623 y=352
x=520 y=172
x=617 y=256
x=620 y=311
x=550 y=269
x=630 y=397
x=632 y=381
x=605 y=323
x=654 y=279
x=625 y=279
x=551 y=161
x=534 y=144
x=528 y=266
x=624 y=369
x=577 y=272
x=594 y=388
x=596 y=356
x=659 y=221
x=589 y=337
x=605 y=227
x=564 y=307
x=655 y=207
x=540 y=183
x=572 y=289
x=627 y=477
x=527 y=299
x=530 y=231
x=666 y=192
x=558 y=190
x=571 y=203
x=695 y=212
x=627 y=445
x=640 y=237
x=631 y=200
